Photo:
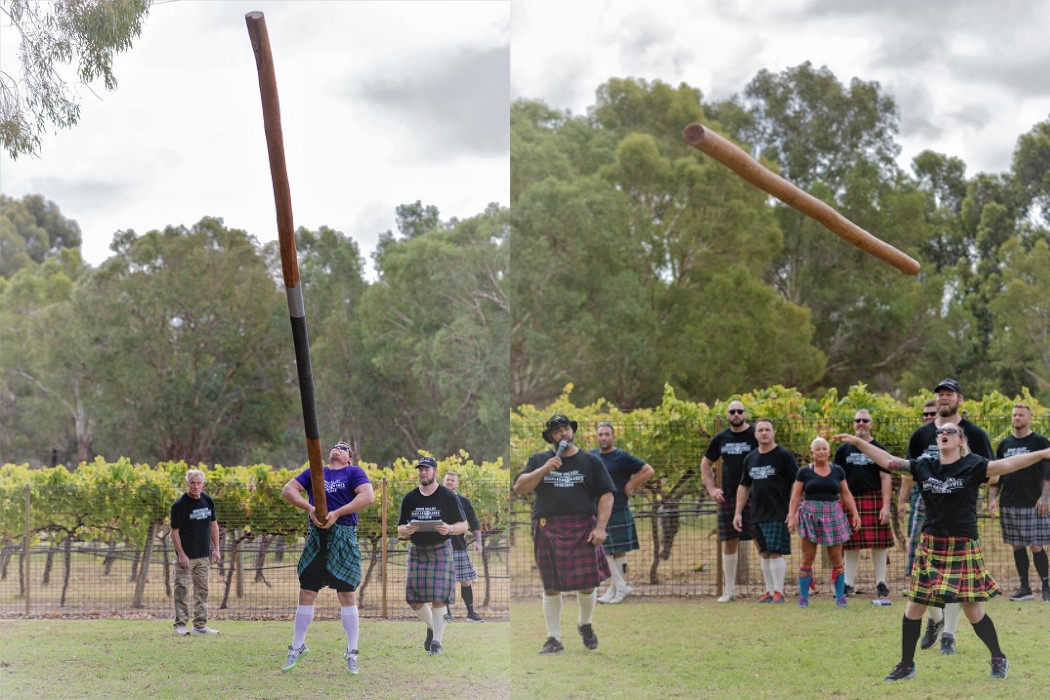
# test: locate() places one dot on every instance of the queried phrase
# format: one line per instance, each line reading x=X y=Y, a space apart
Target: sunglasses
x=344 y=448
x=929 y=415
x=947 y=431
x=862 y=420
x=734 y=411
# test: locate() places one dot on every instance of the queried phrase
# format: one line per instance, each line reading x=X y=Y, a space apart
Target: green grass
x=707 y=650
x=137 y=659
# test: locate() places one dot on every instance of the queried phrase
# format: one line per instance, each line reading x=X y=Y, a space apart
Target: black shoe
x=947 y=644
x=1046 y=594
x=850 y=590
x=590 y=639
x=429 y=640
x=882 y=590
x=999 y=667
x=933 y=632
x=435 y=648
x=448 y=616
x=474 y=617
x=901 y=672
x=1022 y=593
x=552 y=646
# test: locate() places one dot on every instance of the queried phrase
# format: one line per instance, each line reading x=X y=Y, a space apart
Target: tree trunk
x=67 y=559
x=48 y=563
x=278 y=550
x=373 y=558
x=167 y=566
x=260 y=560
x=111 y=556
x=135 y=565
x=654 y=518
x=5 y=559
x=140 y=583
x=485 y=569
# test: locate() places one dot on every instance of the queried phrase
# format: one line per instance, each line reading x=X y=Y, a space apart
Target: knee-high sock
x=552 y=614
x=586 y=603
x=350 y=618
x=778 y=568
x=878 y=560
x=986 y=631
x=805 y=577
x=617 y=573
x=838 y=580
x=910 y=632
x=767 y=574
x=1041 y=567
x=439 y=622
x=304 y=615
x=426 y=615
x=936 y=614
x=952 y=613
x=729 y=573
x=852 y=557
x=467 y=594
x=1021 y=562
x=621 y=564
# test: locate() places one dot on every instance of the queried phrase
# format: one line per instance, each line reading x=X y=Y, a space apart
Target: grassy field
x=139 y=659
x=707 y=650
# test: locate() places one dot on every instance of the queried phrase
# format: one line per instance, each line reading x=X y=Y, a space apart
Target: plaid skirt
x=823 y=522
x=872 y=534
x=1023 y=527
x=621 y=535
x=950 y=570
x=431 y=573
x=726 y=531
x=772 y=537
x=464 y=569
x=564 y=557
x=338 y=551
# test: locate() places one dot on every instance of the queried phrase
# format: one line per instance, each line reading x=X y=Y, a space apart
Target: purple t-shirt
x=339 y=488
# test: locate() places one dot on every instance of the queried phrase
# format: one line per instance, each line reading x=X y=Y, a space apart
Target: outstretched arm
x=1015 y=462
x=878 y=455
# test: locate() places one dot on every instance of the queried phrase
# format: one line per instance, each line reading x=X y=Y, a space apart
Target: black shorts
x=315 y=576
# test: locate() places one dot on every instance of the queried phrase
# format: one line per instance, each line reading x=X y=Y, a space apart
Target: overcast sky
x=382 y=103
x=968 y=77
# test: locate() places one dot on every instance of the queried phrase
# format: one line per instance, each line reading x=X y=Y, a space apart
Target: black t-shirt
x=192 y=517
x=622 y=466
x=770 y=477
x=1022 y=489
x=731 y=448
x=950 y=492
x=460 y=541
x=574 y=488
x=862 y=474
x=821 y=488
x=441 y=505
x=924 y=441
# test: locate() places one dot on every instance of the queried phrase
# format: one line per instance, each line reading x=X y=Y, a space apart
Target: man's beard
x=425 y=481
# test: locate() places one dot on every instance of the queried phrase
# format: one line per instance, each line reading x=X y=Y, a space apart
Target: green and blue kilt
x=1023 y=527
x=772 y=537
x=726 y=513
x=431 y=573
x=339 y=554
x=565 y=559
x=950 y=570
x=620 y=534
x=823 y=522
x=872 y=534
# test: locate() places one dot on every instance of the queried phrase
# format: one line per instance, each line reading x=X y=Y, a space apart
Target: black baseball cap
x=950 y=385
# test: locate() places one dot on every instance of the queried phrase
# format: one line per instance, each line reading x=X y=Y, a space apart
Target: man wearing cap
x=465 y=573
x=331 y=556
x=430 y=516
x=628 y=474
x=1024 y=503
x=923 y=441
x=574 y=497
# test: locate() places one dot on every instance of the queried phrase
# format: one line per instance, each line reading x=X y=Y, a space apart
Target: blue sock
x=805 y=577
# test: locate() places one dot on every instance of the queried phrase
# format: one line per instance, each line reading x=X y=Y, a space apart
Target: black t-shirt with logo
x=574 y=488
x=862 y=474
x=821 y=488
x=732 y=448
x=924 y=441
x=950 y=492
x=192 y=517
x=770 y=477
x=443 y=505
x=1022 y=488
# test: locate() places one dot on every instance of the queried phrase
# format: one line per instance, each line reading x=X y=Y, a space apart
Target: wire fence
x=118 y=574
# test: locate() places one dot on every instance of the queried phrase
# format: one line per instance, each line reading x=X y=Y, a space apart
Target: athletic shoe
x=726 y=597
x=621 y=593
x=882 y=590
x=947 y=644
x=933 y=632
x=999 y=667
x=608 y=595
x=429 y=640
x=351 y=661
x=204 y=630
x=1022 y=593
x=552 y=646
x=293 y=657
x=1046 y=595
x=767 y=598
x=850 y=590
x=181 y=631
x=448 y=615
x=474 y=617
x=590 y=639
x=435 y=648
x=901 y=672
x=803 y=602
x=841 y=601
x=778 y=597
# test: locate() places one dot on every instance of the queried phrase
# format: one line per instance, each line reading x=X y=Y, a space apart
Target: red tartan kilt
x=872 y=534
x=564 y=557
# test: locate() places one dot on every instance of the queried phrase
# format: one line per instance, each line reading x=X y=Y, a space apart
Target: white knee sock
x=621 y=566
x=617 y=574
x=304 y=615
x=586 y=601
x=351 y=620
x=852 y=557
x=439 y=622
x=767 y=574
x=729 y=570
x=552 y=614
x=778 y=567
x=936 y=614
x=952 y=612
x=424 y=613
x=878 y=560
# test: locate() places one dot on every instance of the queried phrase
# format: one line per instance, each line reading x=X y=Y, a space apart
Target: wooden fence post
x=383 y=537
x=25 y=550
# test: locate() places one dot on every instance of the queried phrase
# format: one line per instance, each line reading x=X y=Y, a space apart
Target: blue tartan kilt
x=772 y=537
x=621 y=535
x=431 y=573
